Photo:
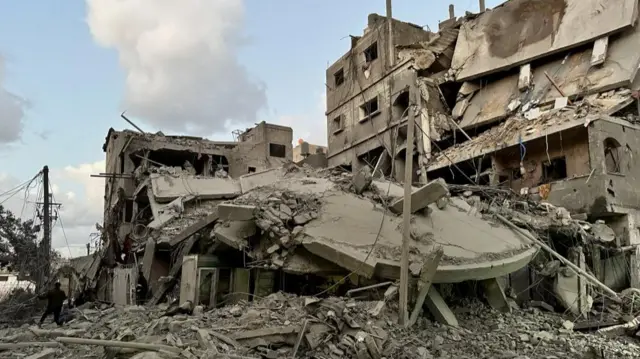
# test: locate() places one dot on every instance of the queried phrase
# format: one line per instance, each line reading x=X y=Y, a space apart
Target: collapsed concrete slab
x=513 y=34
x=424 y=196
x=168 y=187
x=349 y=227
x=236 y=212
x=235 y=233
x=258 y=179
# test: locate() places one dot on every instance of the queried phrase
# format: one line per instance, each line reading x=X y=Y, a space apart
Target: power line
x=59 y=218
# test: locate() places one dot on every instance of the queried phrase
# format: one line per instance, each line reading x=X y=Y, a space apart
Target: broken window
x=516 y=173
x=338 y=77
x=128 y=210
x=337 y=124
x=401 y=105
x=121 y=163
x=612 y=155
x=371 y=52
x=277 y=150
x=554 y=170
x=369 y=109
x=4 y=278
x=251 y=170
x=176 y=158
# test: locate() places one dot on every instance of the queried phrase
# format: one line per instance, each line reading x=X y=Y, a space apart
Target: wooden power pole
x=406 y=209
x=46 y=221
x=391 y=47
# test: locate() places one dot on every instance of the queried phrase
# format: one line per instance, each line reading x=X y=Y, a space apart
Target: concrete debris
x=332 y=327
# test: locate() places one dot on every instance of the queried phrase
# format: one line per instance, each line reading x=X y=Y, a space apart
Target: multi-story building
x=506 y=100
x=368 y=95
x=130 y=154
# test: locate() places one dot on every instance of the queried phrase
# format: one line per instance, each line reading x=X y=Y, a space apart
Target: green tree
x=19 y=244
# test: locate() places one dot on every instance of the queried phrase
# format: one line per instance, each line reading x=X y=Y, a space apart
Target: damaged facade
x=553 y=118
x=153 y=180
x=312 y=155
x=508 y=99
x=368 y=98
x=520 y=146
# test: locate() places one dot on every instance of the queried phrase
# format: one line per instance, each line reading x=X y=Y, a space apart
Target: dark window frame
x=277 y=150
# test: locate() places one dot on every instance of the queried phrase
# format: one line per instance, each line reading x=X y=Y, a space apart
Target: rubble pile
x=285 y=326
x=528 y=211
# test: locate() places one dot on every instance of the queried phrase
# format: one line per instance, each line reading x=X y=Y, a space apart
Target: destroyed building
x=143 y=169
x=368 y=97
x=508 y=99
x=522 y=158
x=312 y=155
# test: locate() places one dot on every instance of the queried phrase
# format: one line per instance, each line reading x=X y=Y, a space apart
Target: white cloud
x=180 y=58
x=311 y=127
x=12 y=111
x=82 y=204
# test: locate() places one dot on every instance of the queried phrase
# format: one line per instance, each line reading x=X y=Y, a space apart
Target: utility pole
x=392 y=52
x=406 y=209
x=47 y=218
x=46 y=241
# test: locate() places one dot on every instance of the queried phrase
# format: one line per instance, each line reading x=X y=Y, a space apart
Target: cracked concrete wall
x=353 y=62
x=621 y=186
x=589 y=188
x=572 y=145
x=253 y=152
x=360 y=134
x=364 y=81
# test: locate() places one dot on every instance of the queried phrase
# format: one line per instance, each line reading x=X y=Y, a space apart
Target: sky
x=200 y=67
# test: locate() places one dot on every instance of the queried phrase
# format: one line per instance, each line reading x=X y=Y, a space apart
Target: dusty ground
x=335 y=328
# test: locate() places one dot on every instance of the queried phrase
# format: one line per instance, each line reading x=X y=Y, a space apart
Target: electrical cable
x=64 y=234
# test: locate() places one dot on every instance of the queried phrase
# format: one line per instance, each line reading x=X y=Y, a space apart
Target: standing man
x=55 y=299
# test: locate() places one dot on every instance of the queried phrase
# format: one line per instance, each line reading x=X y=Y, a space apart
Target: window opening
x=369 y=109
x=554 y=170
x=338 y=124
x=277 y=150
x=338 y=77
x=371 y=52
x=612 y=155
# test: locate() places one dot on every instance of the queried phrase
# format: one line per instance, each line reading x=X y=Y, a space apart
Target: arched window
x=612 y=155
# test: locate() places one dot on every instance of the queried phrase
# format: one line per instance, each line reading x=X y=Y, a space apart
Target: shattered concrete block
x=235 y=233
x=286 y=210
x=251 y=181
x=302 y=219
x=460 y=107
x=423 y=196
x=274 y=248
x=45 y=354
x=362 y=179
x=147 y=355
x=236 y=212
x=468 y=88
x=297 y=230
x=524 y=80
x=494 y=293
x=285 y=241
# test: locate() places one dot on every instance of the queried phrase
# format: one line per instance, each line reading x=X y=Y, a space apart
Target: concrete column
x=633 y=219
x=494 y=293
x=439 y=308
x=576 y=255
x=189 y=279
x=240 y=287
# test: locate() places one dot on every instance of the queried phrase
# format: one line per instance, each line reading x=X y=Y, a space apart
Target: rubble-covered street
x=271 y=328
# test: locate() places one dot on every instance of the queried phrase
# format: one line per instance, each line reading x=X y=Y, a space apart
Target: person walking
x=55 y=299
